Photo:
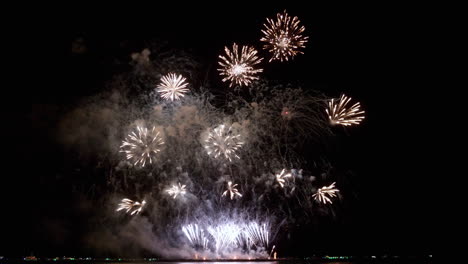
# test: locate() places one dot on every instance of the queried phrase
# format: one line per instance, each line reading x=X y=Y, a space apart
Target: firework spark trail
x=131 y=206
x=281 y=177
x=222 y=143
x=283 y=37
x=238 y=68
x=321 y=195
x=232 y=190
x=142 y=146
x=224 y=235
x=176 y=190
x=172 y=86
x=195 y=235
x=339 y=114
x=260 y=234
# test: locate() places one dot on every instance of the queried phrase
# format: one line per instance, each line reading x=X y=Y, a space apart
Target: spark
x=283 y=37
x=131 y=206
x=237 y=67
x=321 y=195
x=176 y=190
x=232 y=190
x=259 y=233
x=224 y=235
x=281 y=177
x=339 y=114
x=141 y=147
x=221 y=143
x=195 y=235
x=172 y=86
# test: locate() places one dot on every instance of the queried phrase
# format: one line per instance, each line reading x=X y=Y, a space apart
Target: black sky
x=362 y=50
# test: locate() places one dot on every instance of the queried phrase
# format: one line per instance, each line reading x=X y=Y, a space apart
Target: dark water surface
x=404 y=260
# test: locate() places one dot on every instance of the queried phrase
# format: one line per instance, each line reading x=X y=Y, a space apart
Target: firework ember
x=283 y=37
x=238 y=67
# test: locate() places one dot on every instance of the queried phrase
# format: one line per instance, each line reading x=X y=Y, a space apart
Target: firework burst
x=322 y=193
x=258 y=233
x=195 y=235
x=237 y=67
x=142 y=147
x=283 y=37
x=232 y=190
x=172 y=86
x=339 y=114
x=176 y=190
x=224 y=235
x=130 y=206
x=281 y=177
x=222 y=143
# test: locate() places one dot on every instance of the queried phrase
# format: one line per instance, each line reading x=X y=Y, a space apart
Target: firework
x=130 y=206
x=283 y=37
x=172 y=86
x=224 y=235
x=237 y=67
x=176 y=190
x=195 y=235
x=232 y=190
x=141 y=147
x=222 y=143
x=259 y=234
x=281 y=177
x=321 y=195
x=339 y=114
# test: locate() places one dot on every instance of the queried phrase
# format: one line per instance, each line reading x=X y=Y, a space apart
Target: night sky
x=364 y=51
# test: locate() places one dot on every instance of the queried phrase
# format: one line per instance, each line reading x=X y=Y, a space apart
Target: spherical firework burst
x=322 y=193
x=130 y=206
x=222 y=143
x=237 y=67
x=172 y=86
x=281 y=177
x=176 y=190
x=141 y=147
x=283 y=37
x=339 y=114
x=232 y=190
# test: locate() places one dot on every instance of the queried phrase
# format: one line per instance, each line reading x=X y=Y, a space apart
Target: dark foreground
x=329 y=260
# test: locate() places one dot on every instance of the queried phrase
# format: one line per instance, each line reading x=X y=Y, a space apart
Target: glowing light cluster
x=221 y=143
x=232 y=190
x=224 y=235
x=130 y=206
x=258 y=233
x=142 y=146
x=339 y=114
x=283 y=37
x=323 y=193
x=195 y=235
x=172 y=86
x=176 y=190
x=281 y=177
x=238 y=67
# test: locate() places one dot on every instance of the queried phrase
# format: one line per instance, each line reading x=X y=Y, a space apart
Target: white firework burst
x=222 y=143
x=238 y=67
x=232 y=190
x=130 y=206
x=142 y=146
x=172 y=86
x=259 y=233
x=224 y=235
x=323 y=193
x=283 y=37
x=176 y=190
x=340 y=114
x=195 y=235
x=281 y=177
